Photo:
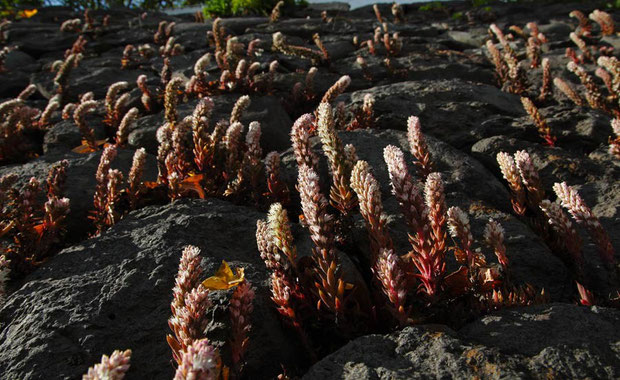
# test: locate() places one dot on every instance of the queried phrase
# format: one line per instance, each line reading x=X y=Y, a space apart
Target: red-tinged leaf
x=457 y=282
x=225 y=374
x=151 y=184
x=173 y=343
x=39 y=228
x=175 y=346
x=193 y=184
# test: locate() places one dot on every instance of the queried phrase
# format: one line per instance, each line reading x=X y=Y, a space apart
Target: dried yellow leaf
x=224 y=278
x=27 y=13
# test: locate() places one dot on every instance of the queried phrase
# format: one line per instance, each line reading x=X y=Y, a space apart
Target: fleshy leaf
x=192 y=183
x=457 y=282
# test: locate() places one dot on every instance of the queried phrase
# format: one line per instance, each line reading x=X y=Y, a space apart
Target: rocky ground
x=113 y=291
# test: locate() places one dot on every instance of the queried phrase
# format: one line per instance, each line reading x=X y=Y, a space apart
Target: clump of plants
x=196 y=158
x=240 y=69
x=511 y=71
x=31 y=230
x=113 y=197
x=205 y=159
x=529 y=201
x=316 y=57
x=21 y=127
x=317 y=296
x=194 y=355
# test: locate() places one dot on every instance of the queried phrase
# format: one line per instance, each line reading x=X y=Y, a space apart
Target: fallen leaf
x=224 y=278
x=85 y=148
x=27 y=13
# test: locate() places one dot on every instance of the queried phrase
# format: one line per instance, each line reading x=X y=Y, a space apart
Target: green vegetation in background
x=480 y=3
x=214 y=8
x=434 y=6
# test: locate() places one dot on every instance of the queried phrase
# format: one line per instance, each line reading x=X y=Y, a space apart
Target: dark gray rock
x=61 y=137
x=614 y=41
x=19 y=61
x=450 y=110
x=13 y=83
x=556 y=29
x=534 y=342
x=94 y=75
x=37 y=41
x=332 y=6
x=467 y=38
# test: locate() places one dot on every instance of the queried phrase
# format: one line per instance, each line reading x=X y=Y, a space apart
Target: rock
x=338 y=48
x=20 y=61
x=466 y=38
x=520 y=343
x=335 y=6
x=143 y=132
x=91 y=75
x=300 y=28
x=62 y=137
x=118 y=37
x=240 y=25
x=114 y=292
x=614 y=41
x=556 y=30
x=37 y=40
x=450 y=110
x=545 y=334
x=84 y=79
x=13 y=83
x=553 y=164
